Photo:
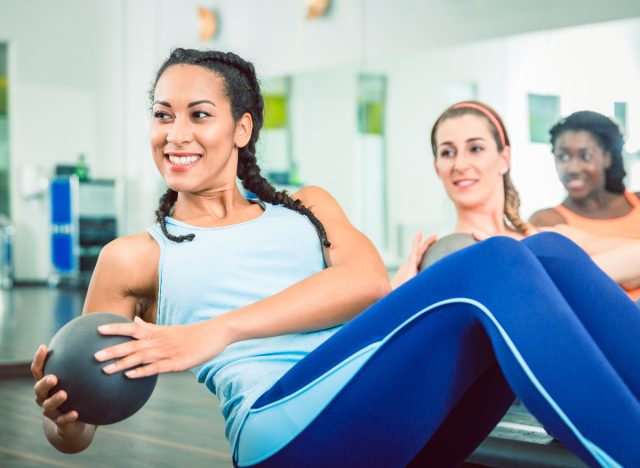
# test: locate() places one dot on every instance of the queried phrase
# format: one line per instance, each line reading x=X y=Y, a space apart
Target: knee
x=552 y=244
x=501 y=246
x=501 y=252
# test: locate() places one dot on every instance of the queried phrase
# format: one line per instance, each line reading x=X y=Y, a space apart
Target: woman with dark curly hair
x=587 y=149
x=599 y=213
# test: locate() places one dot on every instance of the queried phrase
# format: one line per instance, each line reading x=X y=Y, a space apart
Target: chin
x=466 y=201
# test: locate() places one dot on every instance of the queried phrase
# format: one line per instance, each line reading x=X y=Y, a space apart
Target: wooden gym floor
x=180 y=426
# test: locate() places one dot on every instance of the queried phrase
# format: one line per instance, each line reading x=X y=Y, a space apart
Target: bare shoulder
x=130 y=250
x=132 y=260
x=546 y=217
x=313 y=194
x=319 y=201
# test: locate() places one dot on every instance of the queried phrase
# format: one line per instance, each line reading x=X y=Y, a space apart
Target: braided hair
x=608 y=136
x=243 y=91
x=499 y=133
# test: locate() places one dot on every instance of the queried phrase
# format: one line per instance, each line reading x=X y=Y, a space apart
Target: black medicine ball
x=98 y=398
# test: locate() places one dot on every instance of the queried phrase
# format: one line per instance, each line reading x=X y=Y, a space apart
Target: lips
x=464 y=183
x=576 y=184
x=182 y=161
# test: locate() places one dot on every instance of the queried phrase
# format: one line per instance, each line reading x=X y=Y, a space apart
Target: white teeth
x=465 y=183
x=183 y=160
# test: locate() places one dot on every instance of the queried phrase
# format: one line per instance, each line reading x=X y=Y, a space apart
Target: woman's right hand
x=67 y=424
x=411 y=266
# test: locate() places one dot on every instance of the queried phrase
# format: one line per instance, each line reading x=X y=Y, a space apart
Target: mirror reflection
x=359 y=99
x=75 y=170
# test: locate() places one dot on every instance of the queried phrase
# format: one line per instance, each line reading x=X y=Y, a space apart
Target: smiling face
x=580 y=163
x=194 y=138
x=469 y=164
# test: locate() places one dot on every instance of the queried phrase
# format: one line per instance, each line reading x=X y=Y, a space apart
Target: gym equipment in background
x=83 y=220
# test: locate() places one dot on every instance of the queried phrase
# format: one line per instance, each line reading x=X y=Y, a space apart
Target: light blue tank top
x=229 y=267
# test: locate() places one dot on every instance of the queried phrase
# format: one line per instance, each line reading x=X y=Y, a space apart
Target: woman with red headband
x=472 y=157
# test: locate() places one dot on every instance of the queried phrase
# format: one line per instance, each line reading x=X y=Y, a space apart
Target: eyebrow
x=191 y=104
x=567 y=149
x=469 y=140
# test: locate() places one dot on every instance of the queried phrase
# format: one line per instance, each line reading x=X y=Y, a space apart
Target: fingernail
x=100 y=355
x=131 y=373
x=109 y=368
x=103 y=328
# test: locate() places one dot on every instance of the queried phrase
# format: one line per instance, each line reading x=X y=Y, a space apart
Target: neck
x=596 y=200
x=217 y=204
x=490 y=222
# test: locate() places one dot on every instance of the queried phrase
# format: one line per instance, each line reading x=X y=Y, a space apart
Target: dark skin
x=581 y=164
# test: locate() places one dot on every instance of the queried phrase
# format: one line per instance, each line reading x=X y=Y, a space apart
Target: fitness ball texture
x=98 y=398
x=444 y=246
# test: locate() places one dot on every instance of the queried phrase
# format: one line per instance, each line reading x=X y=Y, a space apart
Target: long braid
x=167 y=200
x=512 y=206
x=243 y=90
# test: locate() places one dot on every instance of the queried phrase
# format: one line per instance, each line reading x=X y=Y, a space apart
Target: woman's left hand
x=411 y=266
x=158 y=349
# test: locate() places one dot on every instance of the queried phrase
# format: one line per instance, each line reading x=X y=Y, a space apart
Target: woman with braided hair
x=275 y=306
x=472 y=158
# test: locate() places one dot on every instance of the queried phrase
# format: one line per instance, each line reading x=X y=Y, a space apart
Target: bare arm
x=621 y=262
x=354 y=279
x=546 y=217
x=593 y=244
x=116 y=285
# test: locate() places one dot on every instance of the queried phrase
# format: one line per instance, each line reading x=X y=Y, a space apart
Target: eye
x=476 y=149
x=587 y=156
x=200 y=114
x=161 y=115
x=446 y=153
x=562 y=157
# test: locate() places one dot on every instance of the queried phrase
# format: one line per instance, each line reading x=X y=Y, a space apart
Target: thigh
x=399 y=369
x=603 y=308
x=385 y=412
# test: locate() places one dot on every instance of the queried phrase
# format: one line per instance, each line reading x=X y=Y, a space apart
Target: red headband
x=492 y=118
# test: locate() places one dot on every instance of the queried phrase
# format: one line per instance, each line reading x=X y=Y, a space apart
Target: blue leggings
x=425 y=374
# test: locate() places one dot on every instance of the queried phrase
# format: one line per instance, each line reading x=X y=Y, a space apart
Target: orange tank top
x=624 y=226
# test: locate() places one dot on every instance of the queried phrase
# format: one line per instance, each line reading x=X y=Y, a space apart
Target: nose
x=460 y=162
x=573 y=166
x=180 y=132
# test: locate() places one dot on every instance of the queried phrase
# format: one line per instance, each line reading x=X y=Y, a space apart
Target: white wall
x=63 y=100
x=80 y=71
x=589 y=67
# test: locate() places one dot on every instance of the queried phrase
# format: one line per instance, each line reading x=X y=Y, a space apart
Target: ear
x=505 y=156
x=435 y=166
x=244 y=127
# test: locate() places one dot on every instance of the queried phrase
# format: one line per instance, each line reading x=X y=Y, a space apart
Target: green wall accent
x=275 y=111
x=544 y=112
x=3 y=95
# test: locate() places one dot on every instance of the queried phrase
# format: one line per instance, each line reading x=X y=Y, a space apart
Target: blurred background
x=352 y=88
